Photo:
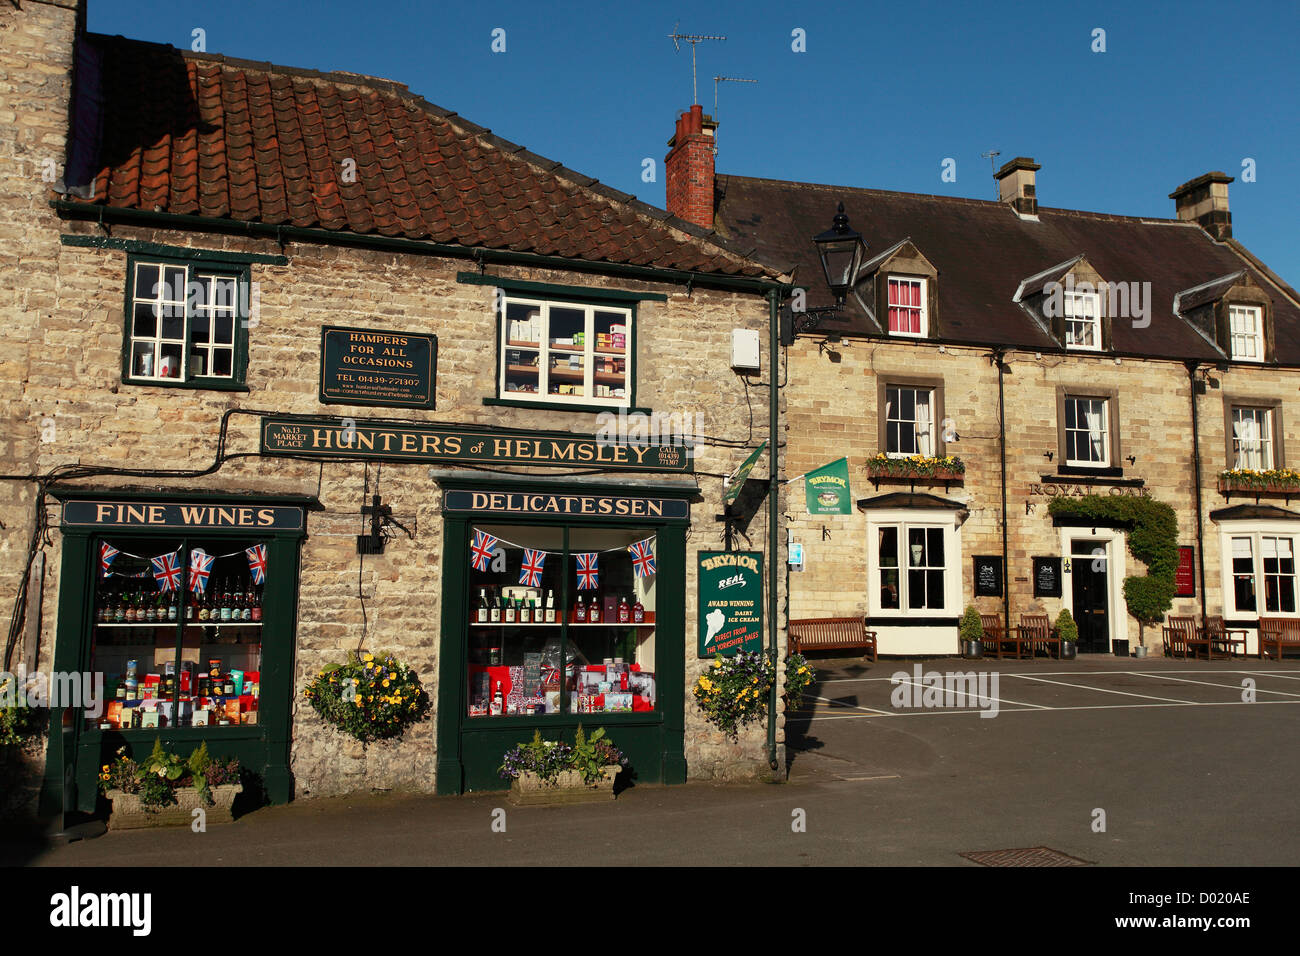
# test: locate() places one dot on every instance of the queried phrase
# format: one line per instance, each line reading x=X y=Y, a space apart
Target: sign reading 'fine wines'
x=376 y=367
x=144 y=514
x=362 y=438
x=731 y=602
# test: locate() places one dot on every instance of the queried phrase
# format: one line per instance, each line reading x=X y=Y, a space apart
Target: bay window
x=913 y=564
x=1260 y=568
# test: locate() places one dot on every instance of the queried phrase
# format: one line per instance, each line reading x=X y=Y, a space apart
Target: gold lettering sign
x=539 y=503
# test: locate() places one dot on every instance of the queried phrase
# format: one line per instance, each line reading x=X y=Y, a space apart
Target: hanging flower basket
x=917 y=468
x=369 y=697
x=1274 y=481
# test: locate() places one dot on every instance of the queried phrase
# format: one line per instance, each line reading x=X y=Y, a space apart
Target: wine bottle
x=525 y=612
x=494 y=610
x=130 y=609
x=624 y=610
x=204 y=610
x=638 y=613
x=497 y=707
x=510 y=615
x=119 y=609
x=481 y=611
x=580 y=613
x=171 y=608
x=593 y=615
x=256 y=610
x=550 y=607
x=225 y=603
x=246 y=608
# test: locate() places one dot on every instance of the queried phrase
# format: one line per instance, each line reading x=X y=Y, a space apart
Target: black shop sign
x=988 y=575
x=377 y=367
x=1047 y=577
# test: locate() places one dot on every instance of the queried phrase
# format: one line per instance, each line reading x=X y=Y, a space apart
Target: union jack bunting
x=480 y=551
x=106 y=555
x=587 y=572
x=643 y=558
x=166 y=572
x=530 y=573
x=257 y=562
x=200 y=568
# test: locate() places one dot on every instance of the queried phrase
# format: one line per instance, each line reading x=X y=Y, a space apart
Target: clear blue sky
x=880 y=98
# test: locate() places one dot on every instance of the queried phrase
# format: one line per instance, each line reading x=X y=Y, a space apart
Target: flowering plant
x=157 y=778
x=369 y=697
x=733 y=691
x=549 y=758
x=19 y=721
x=1266 y=478
x=919 y=465
x=798 y=675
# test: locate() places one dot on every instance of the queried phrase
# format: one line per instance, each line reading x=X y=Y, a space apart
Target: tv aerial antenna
x=725 y=79
x=692 y=39
x=992 y=156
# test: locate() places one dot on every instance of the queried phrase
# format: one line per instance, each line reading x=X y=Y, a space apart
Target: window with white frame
x=1263 y=573
x=1087 y=431
x=913 y=567
x=1082 y=320
x=1252 y=438
x=909 y=421
x=567 y=352
x=186 y=324
x=1246 y=333
x=907 y=311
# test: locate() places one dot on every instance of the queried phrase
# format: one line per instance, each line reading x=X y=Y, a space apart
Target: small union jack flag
x=257 y=562
x=587 y=572
x=167 y=572
x=106 y=555
x=530 y=573
x=480 y=552
x=200 y=568
x=643 y=558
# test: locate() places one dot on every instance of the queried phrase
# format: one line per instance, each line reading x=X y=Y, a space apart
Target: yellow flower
x=385 y=683
x=367 y=657
x=802 y=670
x=104 y=769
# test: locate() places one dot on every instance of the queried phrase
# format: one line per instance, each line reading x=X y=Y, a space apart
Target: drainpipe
x=773 y=515
x=1002 y=449
x=1196 y=468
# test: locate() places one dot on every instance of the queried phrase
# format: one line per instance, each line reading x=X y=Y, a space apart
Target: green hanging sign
x=731 y=602
x=827 y=489
x=737 y=479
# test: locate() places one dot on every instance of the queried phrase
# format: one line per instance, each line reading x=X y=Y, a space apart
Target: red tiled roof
x=204 y=135
x=983 y=251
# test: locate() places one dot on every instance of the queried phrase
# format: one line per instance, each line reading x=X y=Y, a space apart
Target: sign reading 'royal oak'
x=359 y=438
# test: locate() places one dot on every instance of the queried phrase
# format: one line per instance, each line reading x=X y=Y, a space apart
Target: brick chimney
x=1016 y=185
x=689 y=168
x=1204 y=200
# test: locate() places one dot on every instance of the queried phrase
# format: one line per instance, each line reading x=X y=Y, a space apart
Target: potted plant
x=916 y=467
x=971 y=633
x=1068 y=631
x=551 y=771
x=163 y=790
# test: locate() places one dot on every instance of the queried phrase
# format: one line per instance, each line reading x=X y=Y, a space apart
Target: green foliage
x=733 y=692
x=1065 y=626
x=970 y=627
x=162 y=764
x=19 y=721
x=589 y=756
x=157 y=778
x=369 y=697
x=1152 y=539
x=799 y=674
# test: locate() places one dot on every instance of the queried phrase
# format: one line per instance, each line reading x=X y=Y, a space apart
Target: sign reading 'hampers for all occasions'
x=377 y=367
x=731 y=602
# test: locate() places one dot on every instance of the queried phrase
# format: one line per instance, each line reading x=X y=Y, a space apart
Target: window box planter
x=530 y=789
x=1281 y=482
x=130 y=814
x=916 y=469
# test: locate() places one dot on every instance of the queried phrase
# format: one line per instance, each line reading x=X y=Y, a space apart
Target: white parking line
x=1264 y=673
x=1102 y=690
x=1283 y=674
x=837 y=703
x=1015 y=710
x=1000 y=700
x=1236 y=687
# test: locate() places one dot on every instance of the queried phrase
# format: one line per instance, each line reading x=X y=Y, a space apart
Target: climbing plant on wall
x=1152 y=539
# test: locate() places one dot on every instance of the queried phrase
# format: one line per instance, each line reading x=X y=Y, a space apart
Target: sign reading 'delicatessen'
x=553 y=503
x=731 y=602
x=377 y=367
x=361 y=438
x=145 y=514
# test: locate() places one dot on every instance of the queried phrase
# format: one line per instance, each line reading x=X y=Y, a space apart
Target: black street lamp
x=841 y=250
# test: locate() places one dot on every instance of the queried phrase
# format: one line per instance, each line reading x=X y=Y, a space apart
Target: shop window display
x=177 y=632
x=562 y=621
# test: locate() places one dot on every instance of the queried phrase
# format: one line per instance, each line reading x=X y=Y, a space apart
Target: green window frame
x=186 y=322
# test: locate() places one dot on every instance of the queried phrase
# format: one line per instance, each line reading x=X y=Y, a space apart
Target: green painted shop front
x=626 y=676
x=139 y=526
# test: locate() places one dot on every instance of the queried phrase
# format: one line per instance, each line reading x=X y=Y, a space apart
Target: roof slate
x=983 y=252
x=206 y=135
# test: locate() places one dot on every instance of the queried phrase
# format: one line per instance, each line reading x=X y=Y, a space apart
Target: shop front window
x=178 y=632
x=916 y=579
x=569 y=353
x=562 y=621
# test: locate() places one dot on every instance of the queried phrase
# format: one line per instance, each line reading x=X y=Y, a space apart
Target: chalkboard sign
x=1047 y=577
x=988 y=575
x=1185 y=573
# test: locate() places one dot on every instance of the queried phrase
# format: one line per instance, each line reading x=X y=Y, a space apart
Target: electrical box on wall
x=744 y=350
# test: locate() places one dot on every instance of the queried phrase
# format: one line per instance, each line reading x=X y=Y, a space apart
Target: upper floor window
x=907 y=313
x=909 y=421
x=1087 y=431
x=186 y=324
x=1082 y=316
x=1246 y=333
x=1252 y=439
x=565 y=352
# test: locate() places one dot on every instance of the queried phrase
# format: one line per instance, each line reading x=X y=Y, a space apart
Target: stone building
x=365 y=366
x=1053 y=352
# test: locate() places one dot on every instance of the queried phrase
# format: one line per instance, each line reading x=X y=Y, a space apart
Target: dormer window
x=1082 y=313
x=907 y=312
x=1246 y=333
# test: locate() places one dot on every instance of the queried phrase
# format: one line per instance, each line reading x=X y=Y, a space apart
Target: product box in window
x=114 y=713
x=642 y=683
x=232 y=710
x=202 y=718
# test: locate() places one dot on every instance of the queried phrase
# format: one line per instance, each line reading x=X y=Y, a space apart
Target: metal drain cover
x=1032 y=856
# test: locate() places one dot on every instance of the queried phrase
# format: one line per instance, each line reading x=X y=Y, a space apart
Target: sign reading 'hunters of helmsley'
x=359 y=438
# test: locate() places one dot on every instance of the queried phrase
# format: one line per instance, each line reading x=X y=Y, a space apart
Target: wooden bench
x=1279 y=633
x=1182 y=635
x=1037 y=631
x=831 y=633
x=1219 y=633
x=996 y=639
